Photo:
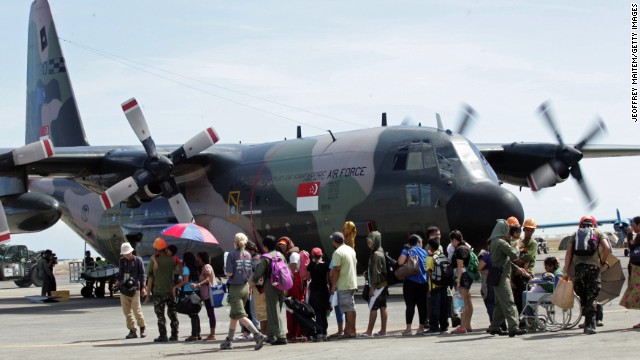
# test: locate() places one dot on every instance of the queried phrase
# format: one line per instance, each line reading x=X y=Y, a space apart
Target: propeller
x=23 y=155
x=157 y=168
x=468 y=114
x=566 y=159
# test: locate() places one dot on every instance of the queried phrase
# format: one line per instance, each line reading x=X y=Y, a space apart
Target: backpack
x=391 y=265
x=472 y=268
x=443 y=272
x=585 y=242
x=281 y=277
x=304 y=262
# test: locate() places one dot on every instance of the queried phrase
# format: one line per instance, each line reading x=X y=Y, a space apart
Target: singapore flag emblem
x=308 y=196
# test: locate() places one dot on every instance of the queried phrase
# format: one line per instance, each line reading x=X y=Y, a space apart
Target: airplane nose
x=474 y=210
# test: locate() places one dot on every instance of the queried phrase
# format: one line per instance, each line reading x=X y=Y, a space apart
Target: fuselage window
x=418 y=194
x=417 y=156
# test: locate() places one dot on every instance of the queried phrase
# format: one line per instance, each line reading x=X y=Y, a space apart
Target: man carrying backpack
x=440 y=275
x=273 y=296
x=583 y=252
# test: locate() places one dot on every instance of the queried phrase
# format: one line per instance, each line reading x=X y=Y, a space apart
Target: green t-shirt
x=163 y=276
x=345 y=257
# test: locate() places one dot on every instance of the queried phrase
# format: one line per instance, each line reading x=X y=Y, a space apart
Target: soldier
x=273 y=297
x=502 y=254
x=162 y=281
x=583 y=251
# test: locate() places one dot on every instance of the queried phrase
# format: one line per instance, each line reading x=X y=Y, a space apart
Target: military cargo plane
x=395 y=179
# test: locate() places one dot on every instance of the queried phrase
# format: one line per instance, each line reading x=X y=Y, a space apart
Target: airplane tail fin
x=51 y=105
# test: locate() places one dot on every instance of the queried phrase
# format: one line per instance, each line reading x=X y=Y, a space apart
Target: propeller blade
x=139 y=125
x=545 y=112
x=599 y=128
x=577 y=174
x=468 y=114
x=118 y=192
x=181 y=208
x=195 y=145
x=542 y=177
x=439 y=122
x=4 y=225
x=33 y=152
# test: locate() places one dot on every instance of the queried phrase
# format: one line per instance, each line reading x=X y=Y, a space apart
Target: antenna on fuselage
x=384 y=119
x=333 y=137
x=439 y=121
x=299 y=132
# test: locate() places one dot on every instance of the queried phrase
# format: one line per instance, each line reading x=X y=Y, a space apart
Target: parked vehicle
x=542 y=246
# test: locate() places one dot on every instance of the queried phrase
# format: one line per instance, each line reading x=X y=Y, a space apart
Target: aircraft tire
x=23 y=283
x=35 y=278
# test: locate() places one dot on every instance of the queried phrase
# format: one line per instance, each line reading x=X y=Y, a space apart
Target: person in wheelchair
x=551 y=268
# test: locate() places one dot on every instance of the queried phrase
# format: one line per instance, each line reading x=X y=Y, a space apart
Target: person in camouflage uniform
x=162 y=281
x=587 y=273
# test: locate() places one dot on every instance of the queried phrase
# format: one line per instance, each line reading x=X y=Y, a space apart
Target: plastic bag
x=563 y=294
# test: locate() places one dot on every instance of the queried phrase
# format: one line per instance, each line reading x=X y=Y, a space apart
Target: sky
x=256 y=69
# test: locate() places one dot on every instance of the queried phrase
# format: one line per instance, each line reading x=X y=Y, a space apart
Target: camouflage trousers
x=587 y=287
x=159 y=302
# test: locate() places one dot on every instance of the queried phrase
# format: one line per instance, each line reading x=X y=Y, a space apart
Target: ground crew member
x=162 y=281
x=526 y=261
x=501 y=256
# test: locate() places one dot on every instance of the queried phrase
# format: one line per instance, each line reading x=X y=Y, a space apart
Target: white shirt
x=294 y=258
x=450 y=251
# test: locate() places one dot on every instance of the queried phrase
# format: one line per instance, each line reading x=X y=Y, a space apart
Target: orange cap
x=159 y=244
x=513 y=221
x=531 y=224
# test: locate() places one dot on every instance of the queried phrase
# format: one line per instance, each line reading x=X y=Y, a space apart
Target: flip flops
x=458 y=330
x=379 y=333
x=365 y=335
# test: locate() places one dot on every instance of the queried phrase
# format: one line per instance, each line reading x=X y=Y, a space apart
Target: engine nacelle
x=31 y=212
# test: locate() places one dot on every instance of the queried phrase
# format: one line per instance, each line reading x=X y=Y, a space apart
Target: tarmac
x=95 y=328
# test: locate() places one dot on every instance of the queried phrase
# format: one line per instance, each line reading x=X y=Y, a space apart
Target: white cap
x=126 y=248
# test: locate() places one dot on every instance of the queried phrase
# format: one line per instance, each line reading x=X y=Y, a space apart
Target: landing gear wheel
x=86 y=291
x=35 y=276
x=23 y=283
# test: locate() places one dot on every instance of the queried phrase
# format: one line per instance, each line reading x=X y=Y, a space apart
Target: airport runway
x=95 y=328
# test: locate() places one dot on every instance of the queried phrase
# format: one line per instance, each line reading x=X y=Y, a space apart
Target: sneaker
x=226 y=344
x=589 y=331
x=161 y=338
x=599 y=323
x=431 y=332
x=259 y=338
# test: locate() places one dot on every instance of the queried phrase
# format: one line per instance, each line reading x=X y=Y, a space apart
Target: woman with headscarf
x=292 y=255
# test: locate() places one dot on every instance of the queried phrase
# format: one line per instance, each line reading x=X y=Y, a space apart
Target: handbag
x=563 y=294
x=634 y=255
x=494 y=275
x=410 y=268
x=189 y=304
x=218 y=295
x=365 y=292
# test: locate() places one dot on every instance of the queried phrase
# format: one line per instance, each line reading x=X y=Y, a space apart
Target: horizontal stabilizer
x=4 y=225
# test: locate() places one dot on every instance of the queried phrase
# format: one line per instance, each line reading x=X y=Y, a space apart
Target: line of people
x=256 y=301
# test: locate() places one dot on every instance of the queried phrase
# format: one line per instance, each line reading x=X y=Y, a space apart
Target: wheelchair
x=540 y=314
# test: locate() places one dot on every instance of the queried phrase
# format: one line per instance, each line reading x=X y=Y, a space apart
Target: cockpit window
x=416 y=156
